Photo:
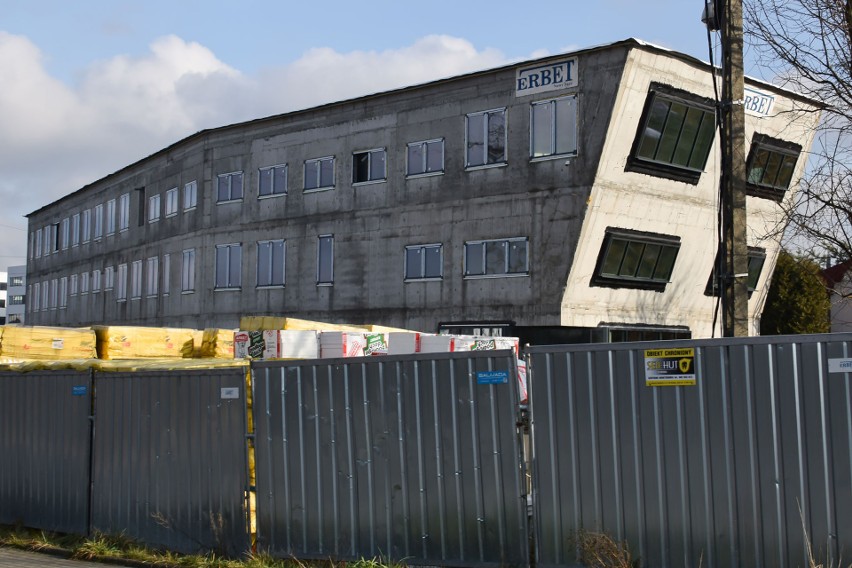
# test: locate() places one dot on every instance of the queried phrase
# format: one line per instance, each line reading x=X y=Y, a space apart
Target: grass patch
x=101 y=546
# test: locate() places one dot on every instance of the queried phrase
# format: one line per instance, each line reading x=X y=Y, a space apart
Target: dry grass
x=599 y=550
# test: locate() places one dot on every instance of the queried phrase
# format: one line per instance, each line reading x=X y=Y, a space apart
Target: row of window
x=490 y=258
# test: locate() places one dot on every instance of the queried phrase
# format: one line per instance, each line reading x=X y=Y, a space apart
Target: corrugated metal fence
x=733 y=471
x=413 y=458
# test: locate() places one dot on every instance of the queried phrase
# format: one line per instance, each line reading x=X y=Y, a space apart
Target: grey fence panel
x=738 y=470
x=403 y=457
x=45 y=450
x=170 y=463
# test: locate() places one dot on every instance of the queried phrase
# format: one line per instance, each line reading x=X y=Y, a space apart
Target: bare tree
x=806 y=45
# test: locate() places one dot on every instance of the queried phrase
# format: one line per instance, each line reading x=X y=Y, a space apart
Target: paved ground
x=12 y=558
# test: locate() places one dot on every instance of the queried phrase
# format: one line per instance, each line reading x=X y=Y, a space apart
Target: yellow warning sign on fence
x=670 y=367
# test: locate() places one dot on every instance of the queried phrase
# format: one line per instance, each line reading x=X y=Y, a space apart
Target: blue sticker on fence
x=79 y=391
x=492 y=377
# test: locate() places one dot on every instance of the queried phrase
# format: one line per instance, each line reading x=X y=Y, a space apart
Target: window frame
x=110 y=217
x=65 y=233
x=190 y=189
x=152 y=277
x=271 y=172
x=171 y=203
x=123 y=212
x=121 y=283
x=271 y=267
x=187 y=271
x=423 y=263
x=369 y=154
x=230 y=176
x=136 y=280
x=633 y=282
x=754 y=254
x=317 y=162
x=468 y=163
x=84 y=283
x=229 y=284
x=329 y=238
x=424 y=145
x=762 y=142
x=660 y=168
x=75 y=230
x=109 y=278
x=553 y=154
x=506 y=260
x=154 y=207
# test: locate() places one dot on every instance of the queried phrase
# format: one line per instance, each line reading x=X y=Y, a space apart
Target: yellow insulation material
x=40 y=342
x=385 y=329
x=126 y=342
x=217 y=343
x=260 y=323
x=119 y=365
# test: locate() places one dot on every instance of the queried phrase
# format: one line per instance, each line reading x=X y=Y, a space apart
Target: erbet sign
x=546 y=77
x=756 y=103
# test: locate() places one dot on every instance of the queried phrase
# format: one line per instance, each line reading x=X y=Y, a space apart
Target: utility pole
x=734 y=274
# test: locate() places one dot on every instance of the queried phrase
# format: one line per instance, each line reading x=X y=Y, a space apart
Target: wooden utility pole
x=734 y=275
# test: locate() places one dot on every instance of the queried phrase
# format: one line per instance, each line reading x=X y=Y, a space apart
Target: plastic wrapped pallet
x=298 y=344
x=448 y=343
x=217 y=343
x=403 y=342
x=256 y=344
x=128 y=342
x=47 y=343
x=352 y=344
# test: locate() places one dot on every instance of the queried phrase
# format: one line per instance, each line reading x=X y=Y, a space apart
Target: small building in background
x=571 y=198
x=16 y=294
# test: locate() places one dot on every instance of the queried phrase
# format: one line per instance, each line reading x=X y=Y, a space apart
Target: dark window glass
x=636 y=260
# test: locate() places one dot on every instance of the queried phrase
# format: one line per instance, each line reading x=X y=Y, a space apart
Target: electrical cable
x=719 y=269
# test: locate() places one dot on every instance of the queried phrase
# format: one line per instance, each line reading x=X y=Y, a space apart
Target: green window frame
x=635 y=259
x=756 y=260
x=770 y=167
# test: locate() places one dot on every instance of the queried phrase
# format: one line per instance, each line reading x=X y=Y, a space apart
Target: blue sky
x=93 y=85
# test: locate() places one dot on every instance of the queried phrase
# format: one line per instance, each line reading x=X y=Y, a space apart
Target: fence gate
x=45 y=449
x=413 y=458
x=733 y=470
x=169 y=465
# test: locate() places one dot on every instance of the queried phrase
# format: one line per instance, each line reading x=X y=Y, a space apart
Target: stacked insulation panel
x=47 y=343
x=217 y=343
x=127 y=342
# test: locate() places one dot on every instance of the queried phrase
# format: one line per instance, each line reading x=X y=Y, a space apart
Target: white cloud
x=56 y=138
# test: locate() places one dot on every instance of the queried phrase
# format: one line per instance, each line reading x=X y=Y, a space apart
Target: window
x=190 y=195
x=270 y=263
x=38 y=243
x=229 y=187
x=369 y=166
x=272 y=181
x=75 y=230
x=228 y=266
x=152 y=277
x=63 y=293
x=110 y=217
x=486 y=138
x=756 y=258
x=319 y=173
x=770 y=167
x=325 y=260
x=675 y=135
x=167 y=261
x=633 y=259
x=124 y=212
x=121 y=283
x=495 y=258
x=54 y=238
x=99 y=221
x=135 y=279
x=54 y=293
x=553 y=127
x=154 y=208
x=73 y=285
x=423 y=262
x=96 y=281
x=425 y=157
x=66 y=233
x=16 y=281
x=109 y=278
x=16 y=300
x=187 y=275
x=36 y=296
x=86 y=227
x=172 y=202
x=84 y=283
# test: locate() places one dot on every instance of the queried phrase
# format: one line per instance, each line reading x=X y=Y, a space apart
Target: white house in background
x=571 y=198
x=838 y=279
x=16 y=294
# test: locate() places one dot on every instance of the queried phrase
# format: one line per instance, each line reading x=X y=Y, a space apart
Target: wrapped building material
x=262 y=323
x=47 y=343
x=128 y=342
x=217 y=343
x=299 y=344
x=352 y=344
x=403 y=342
x=256 y=344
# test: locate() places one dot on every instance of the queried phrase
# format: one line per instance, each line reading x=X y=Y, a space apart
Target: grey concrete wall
x=544 y=201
